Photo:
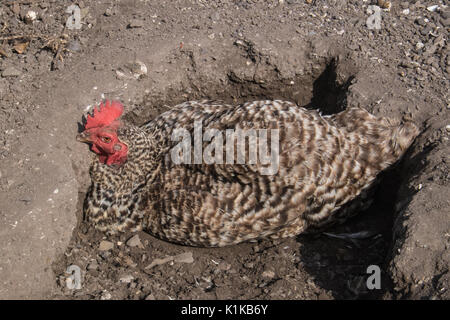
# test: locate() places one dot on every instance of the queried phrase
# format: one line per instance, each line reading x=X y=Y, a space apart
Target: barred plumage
x=324 y=163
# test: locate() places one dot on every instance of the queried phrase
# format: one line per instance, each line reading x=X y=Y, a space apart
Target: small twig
x=5 y=25
x=18 y=37
x=59 y=48
x=55 y=43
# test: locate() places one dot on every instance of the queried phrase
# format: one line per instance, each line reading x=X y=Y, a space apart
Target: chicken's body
x=324 y=162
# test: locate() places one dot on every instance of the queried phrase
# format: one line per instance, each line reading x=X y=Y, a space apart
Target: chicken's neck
x=143 y=159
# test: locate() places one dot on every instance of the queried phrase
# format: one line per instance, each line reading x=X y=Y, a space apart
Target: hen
x=148 y=178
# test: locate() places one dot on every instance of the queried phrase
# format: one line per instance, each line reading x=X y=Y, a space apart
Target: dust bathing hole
x=323 y=89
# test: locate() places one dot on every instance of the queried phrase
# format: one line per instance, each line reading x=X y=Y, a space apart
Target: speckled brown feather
x=324 y=163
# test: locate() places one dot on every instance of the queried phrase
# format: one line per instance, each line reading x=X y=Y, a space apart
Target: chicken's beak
x=83 y=137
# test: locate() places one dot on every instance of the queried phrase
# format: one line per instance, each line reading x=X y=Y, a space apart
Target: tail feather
x=389 y=133
x=402 y=137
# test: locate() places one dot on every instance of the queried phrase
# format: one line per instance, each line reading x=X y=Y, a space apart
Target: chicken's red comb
x=104 y=115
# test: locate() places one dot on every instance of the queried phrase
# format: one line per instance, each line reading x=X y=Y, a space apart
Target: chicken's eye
x=106 y=139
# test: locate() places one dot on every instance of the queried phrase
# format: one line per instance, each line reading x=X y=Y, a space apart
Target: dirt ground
x=319 y=54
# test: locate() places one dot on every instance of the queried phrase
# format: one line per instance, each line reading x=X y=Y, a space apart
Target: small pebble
x=432 y=8
x=137 y=68
x=105 y=245
x=126 y=279
x=135 y=241
x=269 y=274
x=108 y=12
x=10 y=72
x=135 y=23
x=93 y=265
x=30 y=16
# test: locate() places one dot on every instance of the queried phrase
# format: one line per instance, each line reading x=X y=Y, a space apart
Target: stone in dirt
x=126 y=278
x=135 y=241
x=105 y=245
x=181 y=258
x=93 y=265
x=269 y=274
x=135 y=23
x=11 y=72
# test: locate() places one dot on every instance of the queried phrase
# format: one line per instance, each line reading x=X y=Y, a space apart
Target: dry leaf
x=384 y=4
x=20 y=47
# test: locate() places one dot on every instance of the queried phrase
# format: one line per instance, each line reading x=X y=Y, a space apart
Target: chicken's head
x=100 y=131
